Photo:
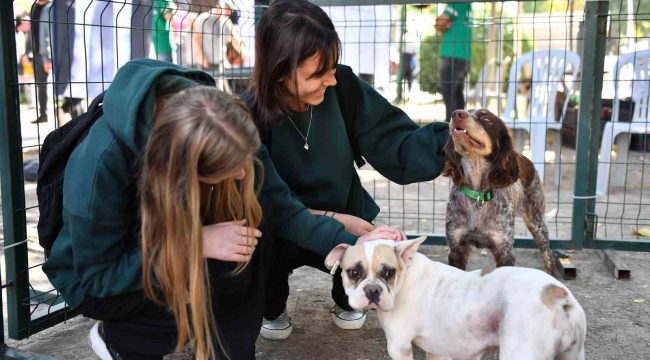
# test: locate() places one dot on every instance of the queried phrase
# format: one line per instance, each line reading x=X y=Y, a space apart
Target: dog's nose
x=459 y=115
x=373 y=293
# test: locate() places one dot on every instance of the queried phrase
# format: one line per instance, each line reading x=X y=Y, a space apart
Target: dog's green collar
x=481 y=196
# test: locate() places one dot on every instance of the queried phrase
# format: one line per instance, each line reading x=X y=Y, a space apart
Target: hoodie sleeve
x=292 y=221
x=393 y=144
x=101 y=212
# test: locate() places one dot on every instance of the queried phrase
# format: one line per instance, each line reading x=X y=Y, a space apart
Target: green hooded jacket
x=97 y=252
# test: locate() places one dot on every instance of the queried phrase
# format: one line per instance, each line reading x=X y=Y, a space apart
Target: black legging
x=287 y=257
x=40 y=77
x=136 y=328
x=452 y=78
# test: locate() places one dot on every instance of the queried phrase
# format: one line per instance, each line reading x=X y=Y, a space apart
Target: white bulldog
x=523 y=314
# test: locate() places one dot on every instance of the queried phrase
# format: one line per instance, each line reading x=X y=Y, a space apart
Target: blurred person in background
x=41 y=59
x=408 y=60
x=210 y=32
x=161 y=34
x=217 y=42
x=23 y=53
x=455 y=25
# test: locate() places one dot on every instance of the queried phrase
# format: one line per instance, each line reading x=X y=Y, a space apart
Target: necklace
x=305 y=137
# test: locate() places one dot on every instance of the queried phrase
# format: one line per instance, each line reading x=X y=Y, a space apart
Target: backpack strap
x=347 y=91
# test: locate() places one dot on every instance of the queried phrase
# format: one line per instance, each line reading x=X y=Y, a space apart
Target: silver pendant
x=306 y=146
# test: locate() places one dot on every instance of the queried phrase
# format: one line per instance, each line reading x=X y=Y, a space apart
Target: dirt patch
x=618 y=327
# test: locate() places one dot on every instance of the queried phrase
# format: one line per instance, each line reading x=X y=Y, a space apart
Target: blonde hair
x=200 y=131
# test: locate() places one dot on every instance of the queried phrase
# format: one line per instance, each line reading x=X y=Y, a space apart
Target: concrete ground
x=618 y=322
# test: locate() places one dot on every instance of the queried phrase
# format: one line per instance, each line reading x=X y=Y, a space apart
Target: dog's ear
x=335 y=255
x=504 y=170
x=406 y=249
x=452 y=168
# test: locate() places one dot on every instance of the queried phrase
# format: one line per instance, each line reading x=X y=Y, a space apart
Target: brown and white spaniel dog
x=492 y=183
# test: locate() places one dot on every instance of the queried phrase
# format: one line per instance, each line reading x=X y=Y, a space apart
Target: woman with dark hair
x=314 y=130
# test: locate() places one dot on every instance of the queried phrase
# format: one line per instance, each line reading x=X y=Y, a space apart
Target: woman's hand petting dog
x=355 y=225
x=230 y=241
x=382 y=233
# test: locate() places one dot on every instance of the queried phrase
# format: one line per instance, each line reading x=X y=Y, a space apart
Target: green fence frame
x=13 y=192
x=22 y=324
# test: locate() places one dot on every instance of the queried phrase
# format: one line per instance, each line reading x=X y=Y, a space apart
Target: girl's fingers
x=245 y=240
x=397 y=235
x=246 y=231
x=245 y=250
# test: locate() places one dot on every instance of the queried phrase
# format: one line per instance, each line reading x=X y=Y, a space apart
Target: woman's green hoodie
x=97 y=252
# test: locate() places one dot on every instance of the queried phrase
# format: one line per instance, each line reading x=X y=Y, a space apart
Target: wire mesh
x=522 y=68
x=398 y=50
x=623 y=205
x=68 y=53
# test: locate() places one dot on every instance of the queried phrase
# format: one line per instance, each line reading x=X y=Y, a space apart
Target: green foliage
x=552 y=6
x=618 y=19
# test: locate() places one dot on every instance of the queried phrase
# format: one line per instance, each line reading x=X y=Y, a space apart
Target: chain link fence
x=568 y=77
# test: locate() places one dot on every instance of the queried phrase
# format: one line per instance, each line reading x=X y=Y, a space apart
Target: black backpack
x=347 y=92
x=55 y=153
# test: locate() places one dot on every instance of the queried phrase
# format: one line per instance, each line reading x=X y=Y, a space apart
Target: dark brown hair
x=289 y=32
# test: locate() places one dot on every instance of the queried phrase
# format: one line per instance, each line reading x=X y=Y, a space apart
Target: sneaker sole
x=349 y=324
x=276 y=334
x=97 y=344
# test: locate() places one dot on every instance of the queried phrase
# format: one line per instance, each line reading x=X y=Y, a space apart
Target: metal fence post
x=587 y=142
x=11 y=175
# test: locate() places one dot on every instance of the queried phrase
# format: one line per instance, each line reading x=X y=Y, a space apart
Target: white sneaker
x=278 y=329
x=97 y=343
x=348 y=320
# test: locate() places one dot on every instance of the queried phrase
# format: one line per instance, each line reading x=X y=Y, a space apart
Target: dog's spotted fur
x=480 y=154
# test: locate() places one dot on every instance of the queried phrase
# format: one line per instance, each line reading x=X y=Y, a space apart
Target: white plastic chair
x=620 y=131
x=483 y=92
x=548 y=70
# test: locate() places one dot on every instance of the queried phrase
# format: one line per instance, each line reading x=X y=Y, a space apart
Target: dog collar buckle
x=480 y=196
x=480 y=201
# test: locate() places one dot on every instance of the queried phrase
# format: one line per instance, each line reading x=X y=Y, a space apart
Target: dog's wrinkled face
x=480 y=134
x=373 y=272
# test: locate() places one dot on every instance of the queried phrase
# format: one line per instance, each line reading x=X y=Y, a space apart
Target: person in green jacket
x=161 y=29
x=455 y=25
x=97 y=260
x=294 y=102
